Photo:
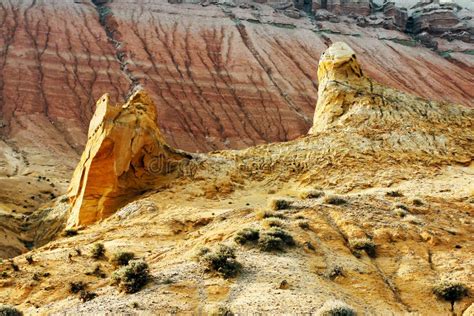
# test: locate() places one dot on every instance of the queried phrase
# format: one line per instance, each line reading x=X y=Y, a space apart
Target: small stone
x=284 y=285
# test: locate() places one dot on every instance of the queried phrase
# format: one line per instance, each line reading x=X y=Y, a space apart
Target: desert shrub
x=86 y=296
x=29 y=259
x=76 y=287
x=271 y=243
x=275 y=239
x=418 y=202
x=400 y=212
x=247 y=235
x=132 y=277
x=309 y=245
x=4 y=274
x=9 y=311
x=450 y=291
x=311 y=194
x=336 y=308
x=335 y=200
x=15 y=267
x=222 y=260
x=267 y=214
x=402 y=206
x=36 y=276
x=394 y=194
x=334 y=272
x=202 y=251
x=364 y=244
x=98 y=251
x=222 y=311
x=273 y=222
x=122 y=258
x=70 y=232
x=303 y=223
x=279 y=204
x=97 y=272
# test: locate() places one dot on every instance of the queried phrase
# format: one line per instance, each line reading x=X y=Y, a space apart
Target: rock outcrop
x=403 y=124
x=344 y=7
x=125 y=155
x=440 y=20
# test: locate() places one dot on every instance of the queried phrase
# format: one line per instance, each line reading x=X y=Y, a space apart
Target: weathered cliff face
x=343 y=7
x=402 y=167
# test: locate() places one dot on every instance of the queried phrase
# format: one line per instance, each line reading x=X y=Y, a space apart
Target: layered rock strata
x=344 y=7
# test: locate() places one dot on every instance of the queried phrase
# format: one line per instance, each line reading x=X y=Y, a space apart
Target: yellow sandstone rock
x=125 y=154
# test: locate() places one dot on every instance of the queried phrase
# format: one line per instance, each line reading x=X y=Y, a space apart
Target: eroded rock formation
x=125 y=154
x=357 y=7
x=401 y=221
x=402 y=123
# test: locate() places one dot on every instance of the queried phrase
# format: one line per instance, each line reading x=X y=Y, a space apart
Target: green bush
x=98 y=251
x=267 y=214
x=311 y=194
x=364 y=244
x=335 y=200
x=133 y=277
x=271 y=243
x=275 y=239
x=279 y=204
x=9 y=311
x=122 y=258
x=450 y=291
x=273 y=222
x=336 y=308
x=222 y=261
x=247 y=235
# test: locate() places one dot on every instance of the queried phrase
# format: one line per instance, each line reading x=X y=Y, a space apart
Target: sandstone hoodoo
x=350 y=103
x=125 y=154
